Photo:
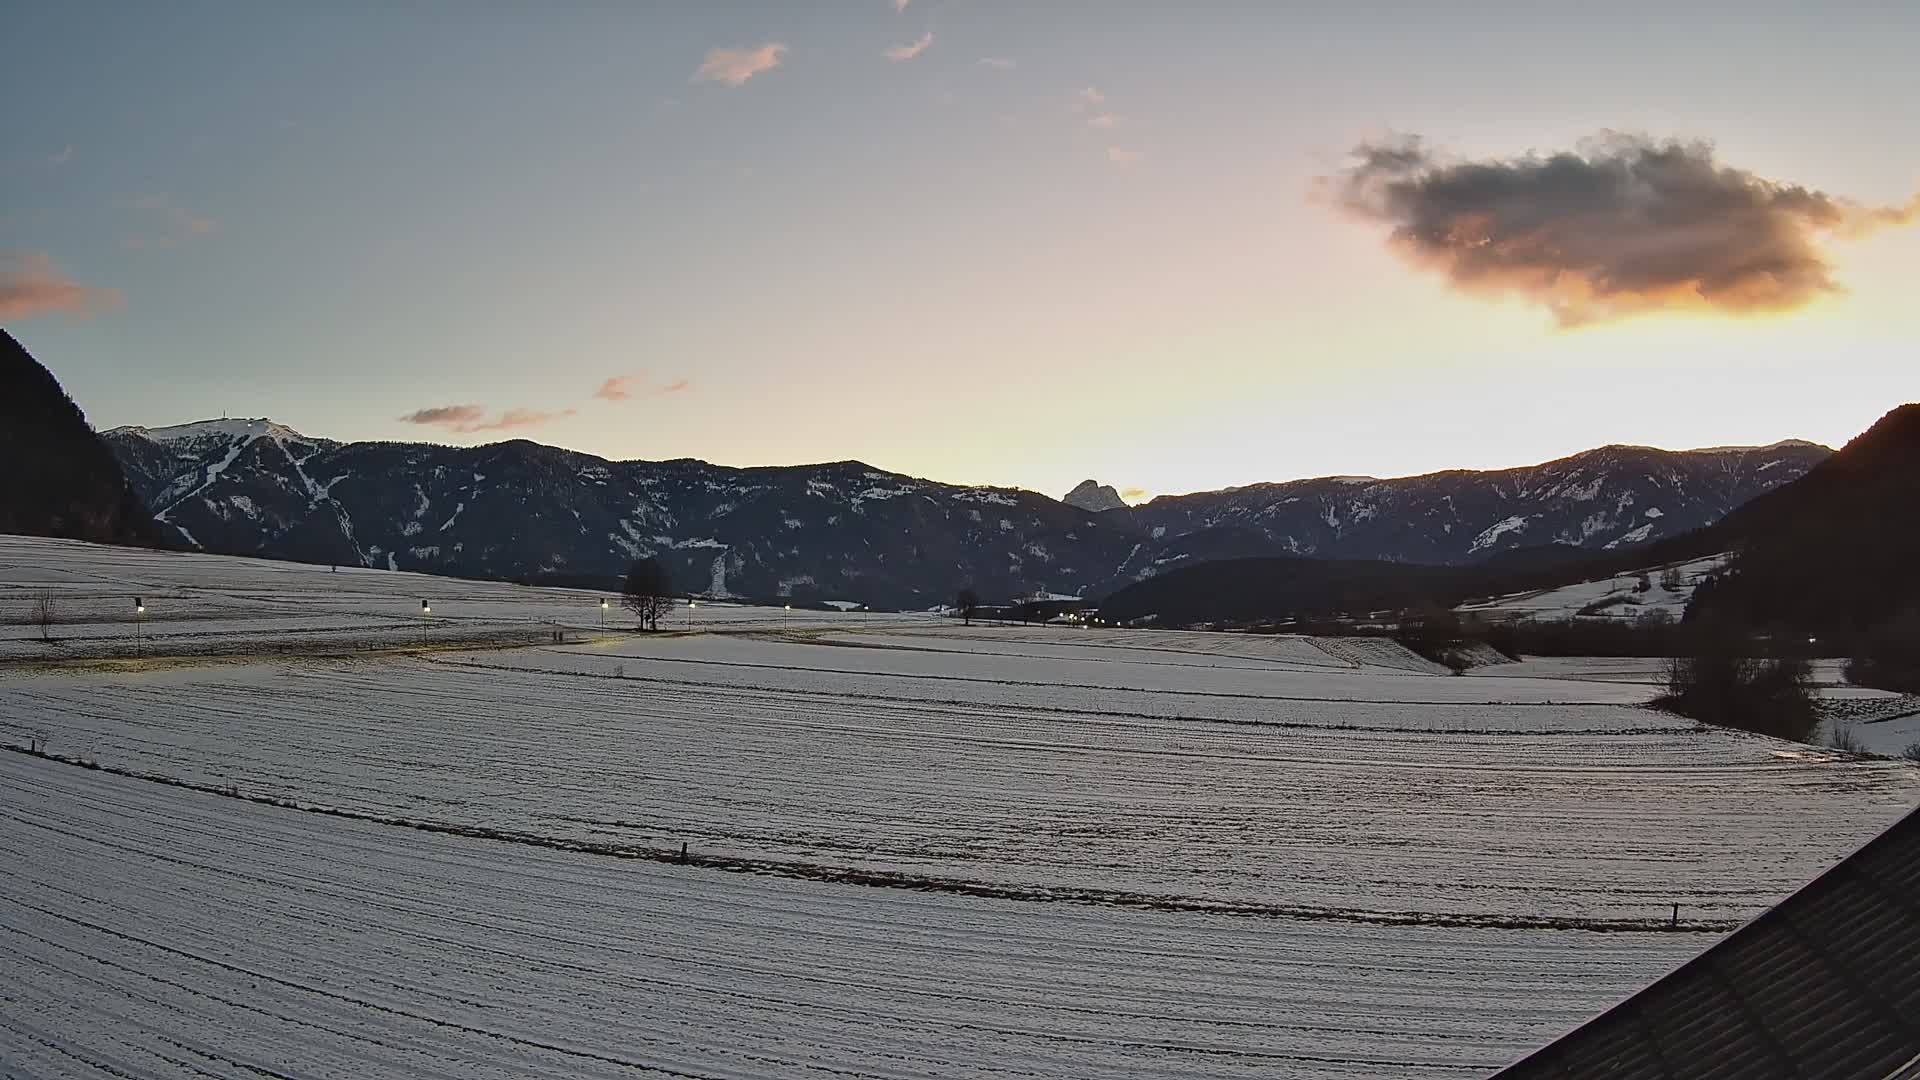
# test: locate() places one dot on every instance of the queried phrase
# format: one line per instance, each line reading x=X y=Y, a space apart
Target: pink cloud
x=453 y=416
x=625 y=387
x=31 y=285
x=471 y=418
x=735 y=66
x=1103 y=121
x=910 y=49
x=520 y=418
x=1000 y=62
x=1121 y=156
x=618 y=388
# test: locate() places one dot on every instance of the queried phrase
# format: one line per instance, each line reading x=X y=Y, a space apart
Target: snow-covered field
x=217 y=605
x=1616 y=597
x=913 y=848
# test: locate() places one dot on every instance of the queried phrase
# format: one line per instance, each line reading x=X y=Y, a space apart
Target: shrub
x=1843 y=738
x=1720 y=684
x=1888 y=658
x=43 y=616
x=1912 y=752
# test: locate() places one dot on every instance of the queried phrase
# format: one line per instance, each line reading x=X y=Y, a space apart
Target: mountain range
x=851 y=532
x=1834 y=554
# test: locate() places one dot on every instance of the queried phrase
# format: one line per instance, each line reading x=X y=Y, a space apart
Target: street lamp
x=603 y=614
x=786 y=620
x=139 y=616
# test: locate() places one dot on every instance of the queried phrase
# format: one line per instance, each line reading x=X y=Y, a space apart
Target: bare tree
x=648 y=592
x=43 y=615
x=966 y=604
x=1671 y=580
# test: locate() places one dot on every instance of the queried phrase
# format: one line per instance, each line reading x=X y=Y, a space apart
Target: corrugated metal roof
x=1826 y=984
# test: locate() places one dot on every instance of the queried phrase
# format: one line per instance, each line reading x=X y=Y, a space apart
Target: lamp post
x=603 y=614
x=139 y=616
x=426 y=610
x=693 y=621
x=786 y=620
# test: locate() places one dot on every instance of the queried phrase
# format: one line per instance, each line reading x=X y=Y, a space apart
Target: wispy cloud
x=617 y=388
x=1618 y=226
x=1087 y=98
x=1121 y=155
x=1001 y=62
x=65 y=155
x=471 y=418
x=735 y=66
x=627 y=387
x=1103 y=121
x=900 y=5
x=181 y=222
x=911 y=49
x=453 y=416
x=30 y=285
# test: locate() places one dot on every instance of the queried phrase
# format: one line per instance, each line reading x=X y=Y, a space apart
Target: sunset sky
x=1014 y=243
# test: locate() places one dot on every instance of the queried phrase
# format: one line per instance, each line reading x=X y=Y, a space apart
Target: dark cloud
x=1621 y=225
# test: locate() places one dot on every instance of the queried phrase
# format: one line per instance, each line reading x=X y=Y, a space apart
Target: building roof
x=1826 y=984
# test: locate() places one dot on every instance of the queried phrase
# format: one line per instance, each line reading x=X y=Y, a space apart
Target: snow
x=986 y=495
x=246 y=430
x=213 y=473
x=1115 y=853
x=1568 y=601
x=1492 y=534
x=1633 y=536
x=315 y=945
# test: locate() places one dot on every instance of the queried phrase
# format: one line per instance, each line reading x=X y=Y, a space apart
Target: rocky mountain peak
x=1095 y=497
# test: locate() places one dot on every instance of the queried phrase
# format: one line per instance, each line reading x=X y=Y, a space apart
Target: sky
x=1172 y=247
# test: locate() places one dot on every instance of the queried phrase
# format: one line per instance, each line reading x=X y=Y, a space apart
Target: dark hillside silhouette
x=1835 y=552
x=57 y=478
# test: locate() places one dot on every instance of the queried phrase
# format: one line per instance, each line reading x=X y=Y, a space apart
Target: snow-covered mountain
x=1607 y=498
x=1094 y=496
x=848 y=531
